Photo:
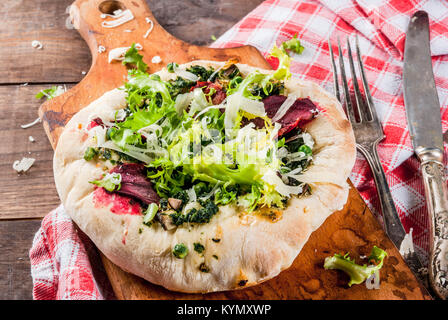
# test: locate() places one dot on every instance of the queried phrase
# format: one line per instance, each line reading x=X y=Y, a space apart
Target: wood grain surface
x=62 y=60
x=353 y=229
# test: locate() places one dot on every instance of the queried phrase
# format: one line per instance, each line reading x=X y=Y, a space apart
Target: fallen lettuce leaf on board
x=50 y=93
x=134 y=59
x=358 y=274
x=293 y=45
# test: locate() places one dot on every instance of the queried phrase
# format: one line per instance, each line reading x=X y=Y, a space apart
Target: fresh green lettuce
x=356 y=272
x=293 y=45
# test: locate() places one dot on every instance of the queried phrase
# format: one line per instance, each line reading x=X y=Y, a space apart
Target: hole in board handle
x=110 y=6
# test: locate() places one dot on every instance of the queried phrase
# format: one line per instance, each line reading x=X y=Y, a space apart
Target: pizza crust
x=252 y=249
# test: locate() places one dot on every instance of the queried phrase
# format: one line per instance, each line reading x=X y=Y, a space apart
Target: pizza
x=205 y=176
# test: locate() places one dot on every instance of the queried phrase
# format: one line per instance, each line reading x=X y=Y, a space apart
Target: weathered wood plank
x=16 y=238
x=65 y=55
x=196 y=21
x=31 y=194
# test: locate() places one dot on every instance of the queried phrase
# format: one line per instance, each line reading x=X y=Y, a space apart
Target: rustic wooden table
x=26 y=198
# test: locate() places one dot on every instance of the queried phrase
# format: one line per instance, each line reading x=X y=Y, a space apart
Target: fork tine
x=335 y=72
x=358 y=95
x=371 y=109
x=348 y=103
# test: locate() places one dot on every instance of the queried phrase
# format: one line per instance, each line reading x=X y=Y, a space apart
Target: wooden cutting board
x=353 y=229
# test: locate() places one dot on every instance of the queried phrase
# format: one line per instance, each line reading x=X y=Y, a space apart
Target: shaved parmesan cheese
x=116 y=14
x=308 y=140
x=23 y=165
x=36 y=44
x=191 y=194
x=284 y=108
x=120 y=115
x=118 y=53
x=83 y=72
x=219 y=106
x=121 y=18
x=24 y=126
x=185 y=74
x=235 y=102
x=114 y=178
x=271 y=178
x=156 y=59
x=31 y=138
x=183 y=100
x=150 y=28
x=127 y=30
x=101 y=49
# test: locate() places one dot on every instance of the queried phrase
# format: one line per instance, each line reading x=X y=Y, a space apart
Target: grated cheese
x=24 y=126
x=150 y=28
x=185 y=74
x=121 y=18
x=284 y=108
x=118 y=53
x=23 y=165
x=116 y=14
x=36 y=44
x=156 y=59
x=101 y=49
x=31 y=138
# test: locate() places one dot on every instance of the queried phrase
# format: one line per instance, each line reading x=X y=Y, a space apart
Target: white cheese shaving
x=127 y=30
x=235 y=102
x=116 y=14
x=191 y=194
x=156 y=59
x=114 y=178
x=407 y=246
x=185 y=74
x=31 y=138
x=121 y=18
x=101 y=49
x=24 y=126
x=307 y=139
x=150 y=28
x=83 y=72
x=284 y=108
x=183 y=100
x=23 y=165
x=271 y=178
x=118 y=53
x=191 y=205
x=36 y=44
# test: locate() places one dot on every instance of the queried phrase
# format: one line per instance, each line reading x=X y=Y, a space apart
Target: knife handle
x=437 y=203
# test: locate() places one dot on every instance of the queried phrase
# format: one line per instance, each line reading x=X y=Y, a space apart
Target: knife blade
x=425 y=128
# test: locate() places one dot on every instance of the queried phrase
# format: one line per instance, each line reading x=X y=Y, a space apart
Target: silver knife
x=423 y=116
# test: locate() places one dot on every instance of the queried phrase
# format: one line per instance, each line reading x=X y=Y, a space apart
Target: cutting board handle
x=86 y=16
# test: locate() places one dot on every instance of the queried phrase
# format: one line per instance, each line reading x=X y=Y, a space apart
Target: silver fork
x=368 y=133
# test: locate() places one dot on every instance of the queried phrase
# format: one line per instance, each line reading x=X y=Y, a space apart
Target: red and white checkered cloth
x=59 y=256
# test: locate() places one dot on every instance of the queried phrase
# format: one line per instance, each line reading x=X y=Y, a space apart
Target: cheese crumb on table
x=36 y=44
x=23 y=165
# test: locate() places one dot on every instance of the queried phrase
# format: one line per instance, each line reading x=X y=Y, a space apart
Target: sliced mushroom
x=174 y=203
x=165 y=220
x=230 y=72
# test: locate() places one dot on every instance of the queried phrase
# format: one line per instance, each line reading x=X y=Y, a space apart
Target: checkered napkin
x=61 y=257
